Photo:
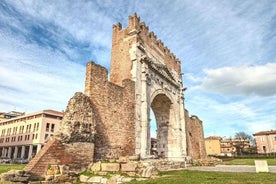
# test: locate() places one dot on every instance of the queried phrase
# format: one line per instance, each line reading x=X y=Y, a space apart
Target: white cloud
x=35 y=78
x=255 y=127
x=203 y=35
x=224 y=115
x=84 y=21
x=245 y=80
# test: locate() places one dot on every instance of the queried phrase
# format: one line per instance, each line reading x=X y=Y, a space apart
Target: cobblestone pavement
x=231 y=168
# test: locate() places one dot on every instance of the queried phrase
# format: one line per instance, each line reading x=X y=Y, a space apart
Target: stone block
x=147 y=172
x=110 y=167
x=261 y=166
x=96 y=167
x=132 y=174
x=112 y=181
x=95 y=179
x=123 y=159
x=104 y=180
x=125 y=180
x=134 y=157
x=129 y=167
x=83 y=178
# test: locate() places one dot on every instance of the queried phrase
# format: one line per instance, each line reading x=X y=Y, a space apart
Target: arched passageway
x=161 y=107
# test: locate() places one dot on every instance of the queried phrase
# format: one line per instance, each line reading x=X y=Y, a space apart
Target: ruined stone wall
x=76 y=155
x=79 y=120
x=127 y=41
x=195 y=136
x=73 y=146
x=115 y=106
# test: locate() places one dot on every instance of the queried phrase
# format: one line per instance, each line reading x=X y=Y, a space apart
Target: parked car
x=20 y=161
x=6 y=160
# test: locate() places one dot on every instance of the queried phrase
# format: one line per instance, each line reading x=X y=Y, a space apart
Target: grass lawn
x=249 y=161
x=195 y=177
x=6 y=167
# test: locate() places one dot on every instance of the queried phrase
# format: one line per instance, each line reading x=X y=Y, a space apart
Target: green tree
x=244 y=143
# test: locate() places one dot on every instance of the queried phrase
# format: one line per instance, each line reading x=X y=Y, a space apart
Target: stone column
x=15 y=152
x=6 y=152
x=9 y=152
x=144 y=113
x=148 y=136
x=22 y=152
x=38 y=148
x=30 y=152
x=3 y=152
x=183 y=126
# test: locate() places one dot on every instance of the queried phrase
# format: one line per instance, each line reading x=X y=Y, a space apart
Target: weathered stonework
x=79 y=120
x=115 y=106
x=195 y=137
x=115 y=115
x=144 y=74
x=77 y=156
x=73 y=146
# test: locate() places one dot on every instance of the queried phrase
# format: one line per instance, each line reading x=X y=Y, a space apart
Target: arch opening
x=161 y=107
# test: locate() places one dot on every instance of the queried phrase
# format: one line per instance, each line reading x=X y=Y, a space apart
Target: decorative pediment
x=161 y=69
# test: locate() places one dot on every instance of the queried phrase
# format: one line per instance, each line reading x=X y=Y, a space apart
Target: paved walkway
x=231 y=168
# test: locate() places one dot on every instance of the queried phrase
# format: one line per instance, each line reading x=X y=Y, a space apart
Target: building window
x=46 y=136
x=34 y=127
x=264 y=149
x=9 y=132
x=14 y=131
x=275 y=138
x=7 y=139
x=3 y=132
x=52 y=127
x=37 y=126
x=28 y=129
x=21 y=129
x=262 y=139
x=47 y=127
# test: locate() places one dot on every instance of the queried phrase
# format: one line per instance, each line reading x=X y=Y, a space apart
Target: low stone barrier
x=15 y=176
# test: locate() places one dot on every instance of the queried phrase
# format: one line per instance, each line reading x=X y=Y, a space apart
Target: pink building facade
x=266 y=141
x=24 y=136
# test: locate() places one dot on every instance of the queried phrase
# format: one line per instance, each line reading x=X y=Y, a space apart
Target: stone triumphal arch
x=111 y=120
x=138 y=55
x=144 y=75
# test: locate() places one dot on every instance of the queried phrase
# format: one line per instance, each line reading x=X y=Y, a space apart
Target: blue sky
x=227 y=49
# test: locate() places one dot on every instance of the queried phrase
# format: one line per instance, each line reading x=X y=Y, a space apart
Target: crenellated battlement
x=117 y=27
x=143 y=30
x=126 y=43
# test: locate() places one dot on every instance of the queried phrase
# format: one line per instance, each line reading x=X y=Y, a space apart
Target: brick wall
x=115 y=106
x=75 y=155
x=195 y=136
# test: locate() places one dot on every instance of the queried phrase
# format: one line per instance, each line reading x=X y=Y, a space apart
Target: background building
x=24 y=136
x=226 y=146
x=212 y=144
x=266 y=141
x=8 y=115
